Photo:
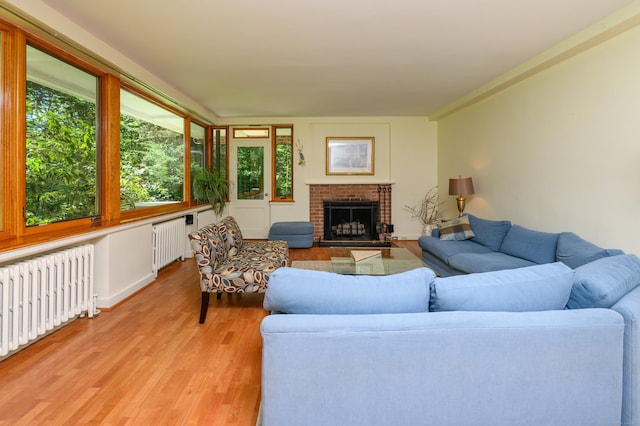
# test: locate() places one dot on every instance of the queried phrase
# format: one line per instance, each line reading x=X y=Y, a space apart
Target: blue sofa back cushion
x=574 y=251
x=489 y=233
x=601 y=283
x=538 y=247
x=299 y=291
x=532 y=288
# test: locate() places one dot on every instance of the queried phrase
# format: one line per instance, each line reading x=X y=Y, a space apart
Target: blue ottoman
x=296 y=234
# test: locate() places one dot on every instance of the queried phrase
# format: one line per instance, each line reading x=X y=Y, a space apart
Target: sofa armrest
x=629 y=308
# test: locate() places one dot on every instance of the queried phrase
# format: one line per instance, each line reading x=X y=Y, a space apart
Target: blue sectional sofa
x=539 y=345
x=497 y=244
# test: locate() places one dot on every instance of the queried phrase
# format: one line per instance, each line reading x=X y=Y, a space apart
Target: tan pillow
x=456 y=229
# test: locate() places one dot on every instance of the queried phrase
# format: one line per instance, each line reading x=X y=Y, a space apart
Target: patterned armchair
x=228 y=264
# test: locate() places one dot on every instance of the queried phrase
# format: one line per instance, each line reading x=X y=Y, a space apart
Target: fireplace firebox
x=350 y=222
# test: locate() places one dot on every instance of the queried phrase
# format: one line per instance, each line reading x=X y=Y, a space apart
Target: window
x=83 y=149
x=250 y=178
x=151 y=153
x=251 y=133
x=220 y=150
x=61 y=153
x=198 y=152
x=282 y=163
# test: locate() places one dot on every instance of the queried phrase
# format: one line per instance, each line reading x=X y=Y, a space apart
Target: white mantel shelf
x=350 y=183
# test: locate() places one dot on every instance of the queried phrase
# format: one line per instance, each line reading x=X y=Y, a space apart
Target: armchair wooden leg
x=204 y=306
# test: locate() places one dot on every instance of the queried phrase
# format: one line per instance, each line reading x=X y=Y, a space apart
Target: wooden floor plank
x=148 y=361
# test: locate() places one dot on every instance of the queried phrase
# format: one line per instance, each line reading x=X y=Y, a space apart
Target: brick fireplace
x=346 y=192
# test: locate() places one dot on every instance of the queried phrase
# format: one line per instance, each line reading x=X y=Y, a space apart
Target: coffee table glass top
x=383 y=261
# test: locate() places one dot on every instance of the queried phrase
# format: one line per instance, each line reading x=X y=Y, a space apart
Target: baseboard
x=353 y=243
x=111 y=301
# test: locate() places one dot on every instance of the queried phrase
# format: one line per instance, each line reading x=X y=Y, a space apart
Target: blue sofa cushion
x=489 y=233
x=601 y=283
x=573 y=251
x=299 y=291
x=445 y=249
x=538 y=247
x=485 y=262
x=533 y=288
x=456 y=229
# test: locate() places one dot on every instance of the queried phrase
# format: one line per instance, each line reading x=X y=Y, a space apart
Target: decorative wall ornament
x=301 y=161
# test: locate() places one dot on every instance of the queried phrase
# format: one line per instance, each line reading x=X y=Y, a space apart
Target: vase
x=428 y=228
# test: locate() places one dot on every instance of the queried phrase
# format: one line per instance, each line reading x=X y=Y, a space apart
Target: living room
x=545 y=161
x=546 y=142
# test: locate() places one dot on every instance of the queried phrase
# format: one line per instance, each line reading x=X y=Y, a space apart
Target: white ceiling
x=258 y=58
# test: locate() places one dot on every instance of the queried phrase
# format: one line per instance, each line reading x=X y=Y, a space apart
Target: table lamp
x=460 y=186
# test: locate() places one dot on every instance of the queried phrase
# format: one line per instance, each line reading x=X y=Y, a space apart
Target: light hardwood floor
x=148 y=361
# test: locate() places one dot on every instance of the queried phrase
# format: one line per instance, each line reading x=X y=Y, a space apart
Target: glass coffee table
x=375 y=261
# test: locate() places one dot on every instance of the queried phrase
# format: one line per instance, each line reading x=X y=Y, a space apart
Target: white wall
x=405 y=155
x=558 y=151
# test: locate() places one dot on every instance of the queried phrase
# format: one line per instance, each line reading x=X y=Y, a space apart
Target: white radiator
x=41 y=294
x=168 y=243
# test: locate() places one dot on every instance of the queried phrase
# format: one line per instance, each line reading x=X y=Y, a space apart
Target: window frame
x=21 y=78
x=238 y=132
x=143 y=212
x=12 y=66
x=15 y=36
x=226 y=151
x=213 y=146
x=207 y=154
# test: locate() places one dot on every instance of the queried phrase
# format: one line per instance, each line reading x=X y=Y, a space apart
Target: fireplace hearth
x=351 y=223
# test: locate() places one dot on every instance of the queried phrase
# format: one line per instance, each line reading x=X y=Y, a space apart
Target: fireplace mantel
x=351 y=182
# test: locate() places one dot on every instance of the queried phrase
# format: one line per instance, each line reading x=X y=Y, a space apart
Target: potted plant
x=211 y=186
x=428 y=211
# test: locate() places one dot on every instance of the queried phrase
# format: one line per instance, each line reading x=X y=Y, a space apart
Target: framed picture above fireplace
x=350 y=155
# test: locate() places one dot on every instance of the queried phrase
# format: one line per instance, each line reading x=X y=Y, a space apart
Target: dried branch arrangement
x=428 y=211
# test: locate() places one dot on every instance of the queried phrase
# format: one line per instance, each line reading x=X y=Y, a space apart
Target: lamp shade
x=461 y=186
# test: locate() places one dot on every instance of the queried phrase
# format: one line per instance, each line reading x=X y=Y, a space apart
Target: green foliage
x=61 y=163
x=151 y=163
x=284 y=171
x=250 y=177
x=211 y=186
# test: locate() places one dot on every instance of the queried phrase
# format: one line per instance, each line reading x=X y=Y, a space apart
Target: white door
x=250 y=174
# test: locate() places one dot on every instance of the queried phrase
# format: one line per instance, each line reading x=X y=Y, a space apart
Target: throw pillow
x=573 y=251
x=532 y=288
x=489 y=233
x=456 y=229
x=601 y=283
x=300 y=291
